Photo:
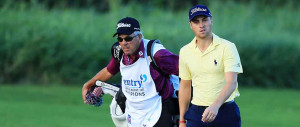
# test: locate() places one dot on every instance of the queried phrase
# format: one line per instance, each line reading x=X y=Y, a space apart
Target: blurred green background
x=49 y=48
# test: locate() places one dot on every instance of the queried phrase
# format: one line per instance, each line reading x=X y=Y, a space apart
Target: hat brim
x=123 y=31
x=193 y=16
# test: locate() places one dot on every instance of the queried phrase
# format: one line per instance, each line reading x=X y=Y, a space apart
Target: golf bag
x=117 y=54
x=117 y=106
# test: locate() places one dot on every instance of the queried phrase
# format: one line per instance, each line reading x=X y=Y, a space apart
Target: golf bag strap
x=151 y=58
x=153 y=63
x=116 y=51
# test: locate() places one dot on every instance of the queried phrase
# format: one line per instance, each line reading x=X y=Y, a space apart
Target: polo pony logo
x=215 y=62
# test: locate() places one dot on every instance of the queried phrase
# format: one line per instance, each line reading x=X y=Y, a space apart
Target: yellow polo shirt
x=207 y=70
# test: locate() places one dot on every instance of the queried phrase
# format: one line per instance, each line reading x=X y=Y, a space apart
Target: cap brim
x=123 y=32
x=193 y=16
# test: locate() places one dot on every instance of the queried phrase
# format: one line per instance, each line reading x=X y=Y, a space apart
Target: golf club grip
x=107 y=85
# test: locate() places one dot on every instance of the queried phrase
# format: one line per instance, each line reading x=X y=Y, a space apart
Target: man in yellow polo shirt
x=210 y=65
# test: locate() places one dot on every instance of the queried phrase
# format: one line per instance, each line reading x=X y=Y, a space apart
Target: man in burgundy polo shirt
x=148 y=92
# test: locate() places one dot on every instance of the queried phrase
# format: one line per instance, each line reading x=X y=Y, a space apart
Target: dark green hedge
x=55 y=48
x=70 y=46
x=270 y=64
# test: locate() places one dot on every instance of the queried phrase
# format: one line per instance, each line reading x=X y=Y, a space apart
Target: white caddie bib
x=143 y=104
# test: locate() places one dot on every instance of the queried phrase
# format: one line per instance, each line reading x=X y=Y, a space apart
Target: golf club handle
x=107 y=85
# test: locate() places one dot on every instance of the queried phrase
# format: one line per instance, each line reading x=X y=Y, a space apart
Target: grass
x=61 y=106
x=269 y=107
x=49 y=106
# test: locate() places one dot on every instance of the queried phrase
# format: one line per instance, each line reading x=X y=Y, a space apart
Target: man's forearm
x=102 y=75
x=228 y=89
x=184 y=97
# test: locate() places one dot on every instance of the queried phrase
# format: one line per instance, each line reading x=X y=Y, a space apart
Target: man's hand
x=102 y=75
x=85 y=89
x=210 y=113
x=94 y=96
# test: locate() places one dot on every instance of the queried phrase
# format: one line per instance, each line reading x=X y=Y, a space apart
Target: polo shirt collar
x=216 y=40
x=212 y=46
x=193 y=43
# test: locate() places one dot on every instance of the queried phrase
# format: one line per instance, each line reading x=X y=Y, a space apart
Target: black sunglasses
x=128 y=38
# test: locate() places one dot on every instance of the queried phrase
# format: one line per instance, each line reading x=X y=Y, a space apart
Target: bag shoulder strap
x=117 y=52
x=150 y=46
x=153 y=63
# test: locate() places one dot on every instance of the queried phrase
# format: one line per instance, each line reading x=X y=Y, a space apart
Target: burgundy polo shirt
x=165 y=60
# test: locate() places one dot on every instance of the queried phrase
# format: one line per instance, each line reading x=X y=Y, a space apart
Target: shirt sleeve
x=232 y=62
x=167 y=61
x=184 y=71
x=113 y=66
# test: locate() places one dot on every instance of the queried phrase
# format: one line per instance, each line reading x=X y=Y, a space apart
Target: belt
x=226 y=103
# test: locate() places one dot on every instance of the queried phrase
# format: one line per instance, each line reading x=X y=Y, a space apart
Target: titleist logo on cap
x=123 y=25
x=197 y=9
